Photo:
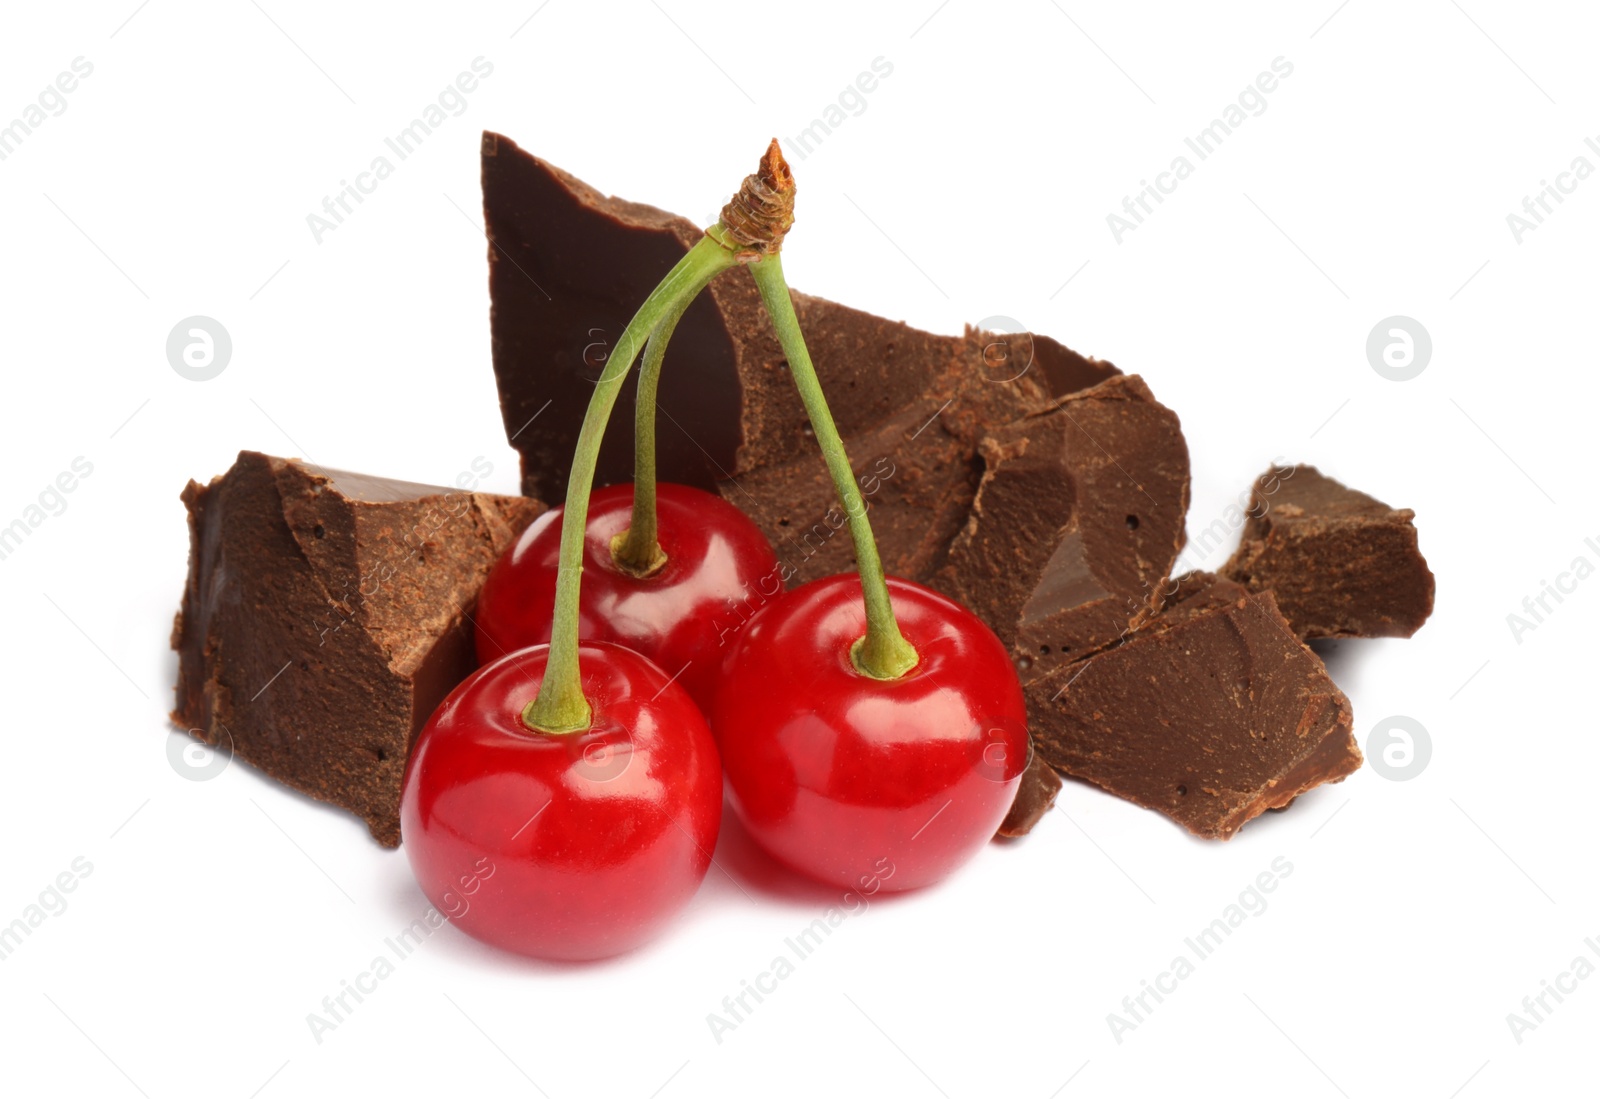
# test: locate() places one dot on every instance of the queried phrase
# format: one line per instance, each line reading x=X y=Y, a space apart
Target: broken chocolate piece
x=1040 y=785
x=325 y=616
x=1340 y=563
x=1212 y=718
x=567 y=269
x=1076 y=522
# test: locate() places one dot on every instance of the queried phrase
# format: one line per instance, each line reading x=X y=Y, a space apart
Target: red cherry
x=564 y=846
x=862 y=782
x=718 y=564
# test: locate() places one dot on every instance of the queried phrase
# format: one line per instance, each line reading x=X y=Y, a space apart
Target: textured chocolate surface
x=919 y=467
x=1184 y=597
x=1212 y=713
x=1340 y=563
x=1077 y=520
x=1040 y=785
x=325 y=616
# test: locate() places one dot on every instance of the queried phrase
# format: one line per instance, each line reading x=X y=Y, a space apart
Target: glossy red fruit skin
x=859 y=782
x=719 y=566
x=573 y=846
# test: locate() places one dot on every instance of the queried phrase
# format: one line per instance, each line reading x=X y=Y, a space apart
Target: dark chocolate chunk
x=325 y=616
x=1211 y=717
x=1040 y=785
x=1340 y=563
x=567 y=269
x=1077 y=520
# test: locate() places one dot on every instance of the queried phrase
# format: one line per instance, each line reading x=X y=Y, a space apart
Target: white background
x=976 y=182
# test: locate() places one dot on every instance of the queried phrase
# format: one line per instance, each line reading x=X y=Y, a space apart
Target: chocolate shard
x=325 y=616
x=1077 y=520
x=1040 y=785
x=1340 y=563
x=568 y=267
x=1212 y=717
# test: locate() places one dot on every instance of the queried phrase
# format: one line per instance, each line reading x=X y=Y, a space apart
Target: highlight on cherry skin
x=574 y=846
x=681 y=616
x=832 y=771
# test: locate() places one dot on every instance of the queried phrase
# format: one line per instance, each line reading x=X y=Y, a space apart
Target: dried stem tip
x=761 y=213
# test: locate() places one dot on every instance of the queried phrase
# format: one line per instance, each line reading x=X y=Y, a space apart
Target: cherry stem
x=560 y=706
x=637 y=550
x=883 y=653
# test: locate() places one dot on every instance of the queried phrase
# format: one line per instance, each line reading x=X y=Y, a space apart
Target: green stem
x=637 y=550
x=883 y=653
x=560 y=706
